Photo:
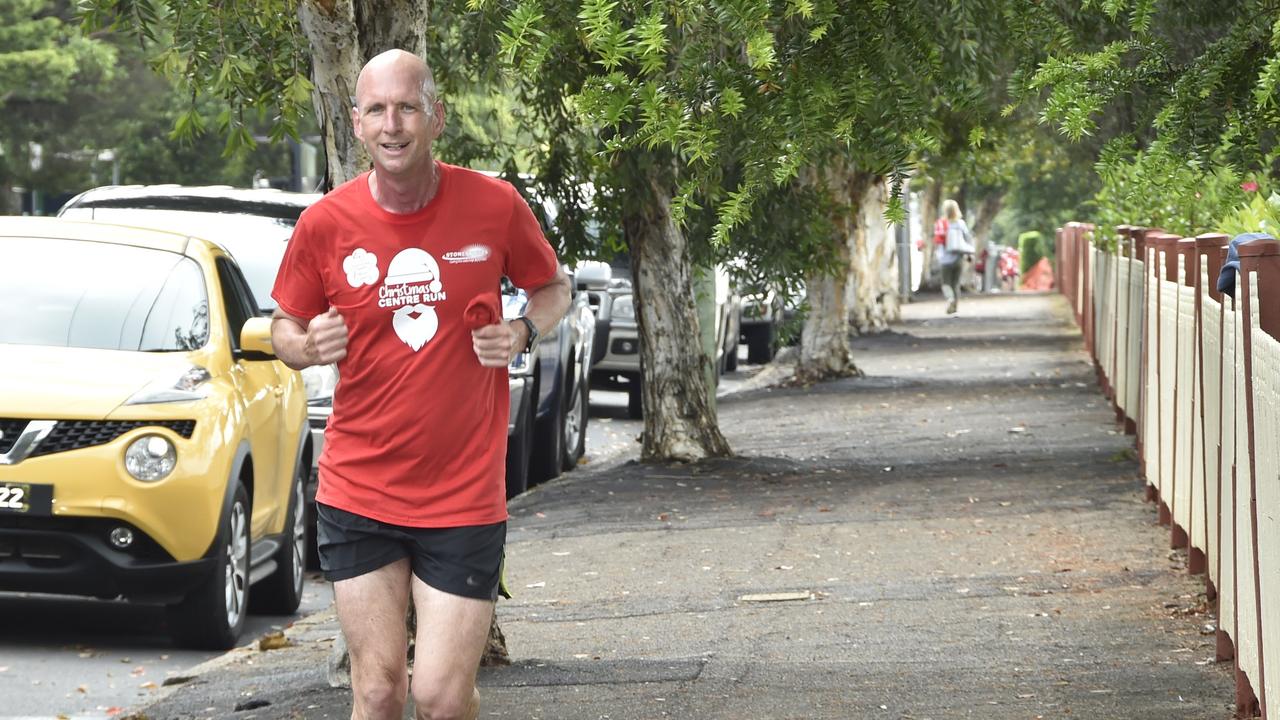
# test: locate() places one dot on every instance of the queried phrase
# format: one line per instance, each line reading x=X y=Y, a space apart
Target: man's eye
x=408 y=108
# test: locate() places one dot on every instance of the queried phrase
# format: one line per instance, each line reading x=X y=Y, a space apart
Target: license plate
x=25 y=499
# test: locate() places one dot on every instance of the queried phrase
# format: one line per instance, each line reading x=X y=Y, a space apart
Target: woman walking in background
x=959 y=244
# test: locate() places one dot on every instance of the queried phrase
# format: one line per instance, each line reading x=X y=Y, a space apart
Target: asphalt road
x=80 y=658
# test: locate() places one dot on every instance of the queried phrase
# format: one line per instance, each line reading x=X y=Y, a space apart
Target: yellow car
x=151 y=446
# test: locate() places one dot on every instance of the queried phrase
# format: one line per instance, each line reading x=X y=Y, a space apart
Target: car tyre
x=520 y=447
x=281 y=593
x=548 y=444
x=760 y=342
x=635 y=399
x=212 y=615
x=575 y=424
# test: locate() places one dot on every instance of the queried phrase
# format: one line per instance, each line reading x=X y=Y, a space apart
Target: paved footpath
x=963 y=527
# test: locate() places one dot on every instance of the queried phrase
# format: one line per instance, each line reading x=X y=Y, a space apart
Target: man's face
x=395 y=122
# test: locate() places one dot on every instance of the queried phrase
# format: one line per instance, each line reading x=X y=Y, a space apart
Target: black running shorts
x=464 y=561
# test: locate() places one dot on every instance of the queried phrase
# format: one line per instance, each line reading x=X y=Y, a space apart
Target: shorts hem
x=491 y=596
x=363 y=568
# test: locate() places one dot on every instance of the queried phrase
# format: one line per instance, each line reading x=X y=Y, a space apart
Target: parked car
x=151 y=446
x=616 y=353
x=546 y=426
x=761 y=321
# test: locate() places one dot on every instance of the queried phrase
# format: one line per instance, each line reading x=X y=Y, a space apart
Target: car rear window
x=72 y=293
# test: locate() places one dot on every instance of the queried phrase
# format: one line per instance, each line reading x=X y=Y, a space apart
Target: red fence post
x=1145 y=247
x=1180 y=260
x=1165 y=269
x=1207 y=252
x=1261 y=257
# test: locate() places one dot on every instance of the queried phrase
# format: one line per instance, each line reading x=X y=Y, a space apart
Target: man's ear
x=437 y=120
x=355 y=121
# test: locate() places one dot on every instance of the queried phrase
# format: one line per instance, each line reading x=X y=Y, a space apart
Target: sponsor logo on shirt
x=468 y=254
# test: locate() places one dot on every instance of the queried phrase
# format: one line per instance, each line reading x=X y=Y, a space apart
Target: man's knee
x=379 y=690
x=432 y=702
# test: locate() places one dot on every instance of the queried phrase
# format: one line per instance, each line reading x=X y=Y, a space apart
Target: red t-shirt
x=418 y=434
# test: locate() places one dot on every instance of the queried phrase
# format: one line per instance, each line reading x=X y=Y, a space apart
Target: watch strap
x=533 y=333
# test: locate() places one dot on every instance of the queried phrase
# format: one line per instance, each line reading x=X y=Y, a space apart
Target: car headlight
x=319 y=381
x=188 y=386
x=624 y=307
x=150 y=458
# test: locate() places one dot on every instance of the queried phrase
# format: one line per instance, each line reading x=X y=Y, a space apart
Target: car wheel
x=519 y=447
x=575 y=425
x=313 y=552
x=635 y=400
x=212 y=615
x=760 y=344
x=548 y=445
x=281 y=593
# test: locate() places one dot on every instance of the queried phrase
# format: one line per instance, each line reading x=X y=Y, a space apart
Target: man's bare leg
x=371 y=611
x=452 y=632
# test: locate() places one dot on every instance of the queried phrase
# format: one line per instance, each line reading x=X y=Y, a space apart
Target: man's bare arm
x=497 y=345
x=301 y=344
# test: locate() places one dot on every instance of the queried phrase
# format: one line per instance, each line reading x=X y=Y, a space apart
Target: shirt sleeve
x=299 y=287
x=531 y=261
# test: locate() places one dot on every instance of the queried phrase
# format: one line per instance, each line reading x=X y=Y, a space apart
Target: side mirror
x=255 y=337
x=593 y=275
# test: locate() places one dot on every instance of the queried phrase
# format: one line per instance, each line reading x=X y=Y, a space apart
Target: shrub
x=1032 y=247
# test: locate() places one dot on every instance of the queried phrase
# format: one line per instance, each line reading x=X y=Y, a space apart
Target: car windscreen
x=73 y=293
x=256 y=242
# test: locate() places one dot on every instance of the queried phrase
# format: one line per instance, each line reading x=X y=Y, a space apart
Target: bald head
x=397 y=64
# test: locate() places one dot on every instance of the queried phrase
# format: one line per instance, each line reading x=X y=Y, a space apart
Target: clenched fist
x=327 y=338
x=498 y=344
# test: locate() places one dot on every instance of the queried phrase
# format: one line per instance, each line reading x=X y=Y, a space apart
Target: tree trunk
x=873 y=260
x=980 y=219
x=930 y=206
x=824 y=340
x=344 y=35
x=679 y=411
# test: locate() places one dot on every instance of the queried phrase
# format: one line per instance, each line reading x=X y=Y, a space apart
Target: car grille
x=9 y=432
x=76 y=434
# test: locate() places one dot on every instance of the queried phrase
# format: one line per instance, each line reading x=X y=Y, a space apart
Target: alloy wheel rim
x=299 y=534
x=573 y=422
x=237 y=565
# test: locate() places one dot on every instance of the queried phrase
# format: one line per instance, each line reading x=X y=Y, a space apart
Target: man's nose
x=393 y=120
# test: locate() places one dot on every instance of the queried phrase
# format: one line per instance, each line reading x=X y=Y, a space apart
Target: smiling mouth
x=395 y=146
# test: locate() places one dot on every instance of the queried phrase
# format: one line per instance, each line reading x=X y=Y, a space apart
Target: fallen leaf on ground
x=273 y=641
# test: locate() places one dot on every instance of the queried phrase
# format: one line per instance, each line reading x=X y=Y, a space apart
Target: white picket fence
x=1195 y=374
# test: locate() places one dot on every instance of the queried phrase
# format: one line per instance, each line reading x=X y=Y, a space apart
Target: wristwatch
x=533 y=334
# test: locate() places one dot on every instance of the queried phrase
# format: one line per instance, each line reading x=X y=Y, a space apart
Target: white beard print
x=415 y=332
